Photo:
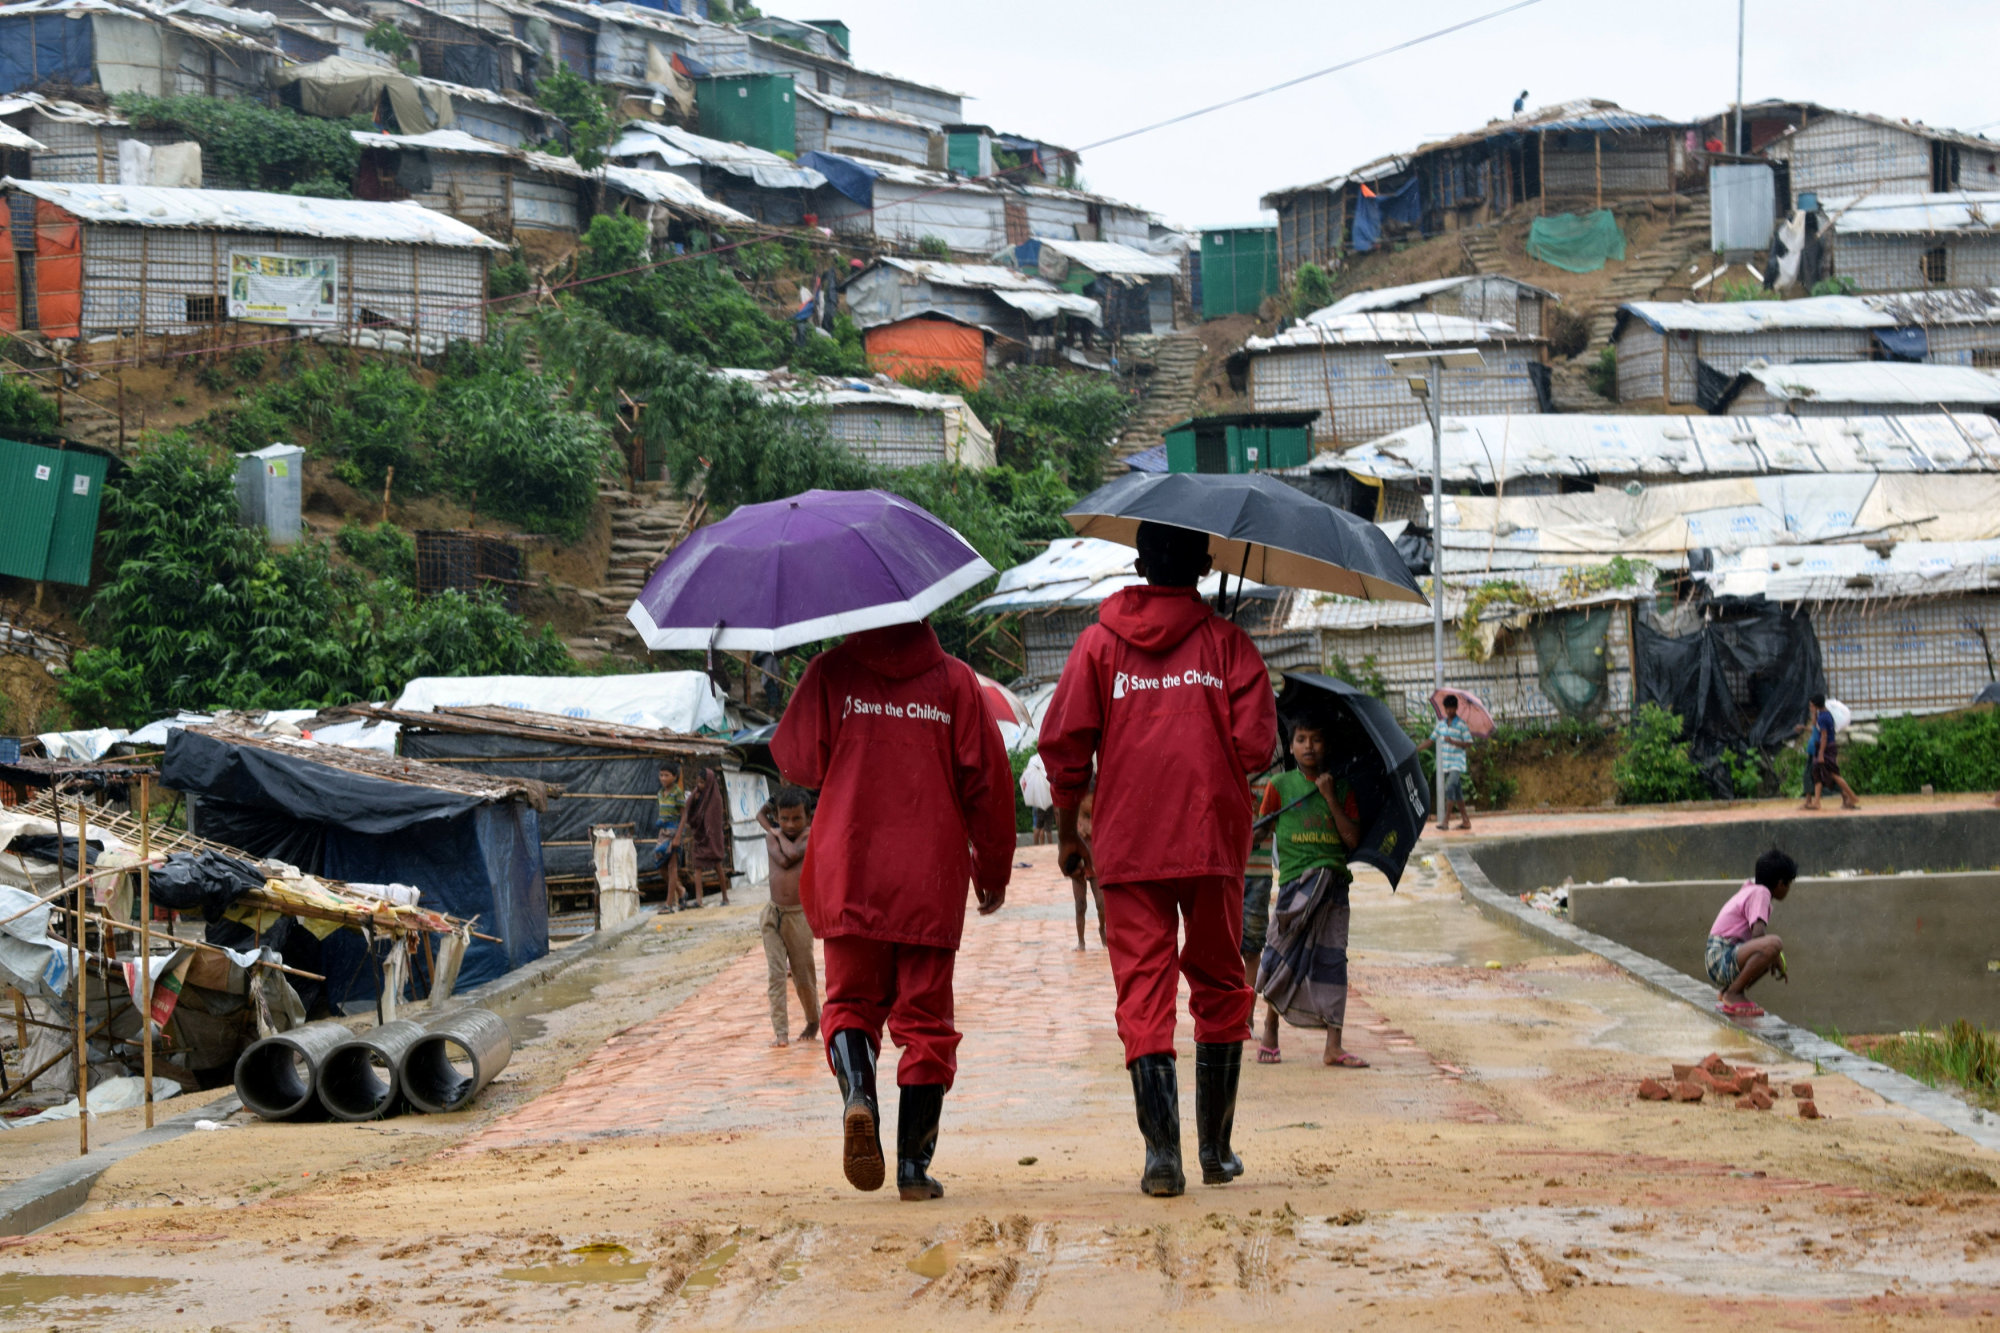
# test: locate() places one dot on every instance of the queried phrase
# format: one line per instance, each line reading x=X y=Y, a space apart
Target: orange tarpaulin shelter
x=58 y=276
x=916 y=348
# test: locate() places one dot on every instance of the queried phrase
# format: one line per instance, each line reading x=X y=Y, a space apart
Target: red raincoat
x=910 y=770
x=1176 y=703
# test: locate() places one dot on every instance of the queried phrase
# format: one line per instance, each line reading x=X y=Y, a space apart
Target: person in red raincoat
x=1175 y=703
x=916 y=799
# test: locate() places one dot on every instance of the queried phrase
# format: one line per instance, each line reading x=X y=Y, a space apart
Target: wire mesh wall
x=890 y=437
x=1889 y=656
x=1361 y=397
x=469 y=562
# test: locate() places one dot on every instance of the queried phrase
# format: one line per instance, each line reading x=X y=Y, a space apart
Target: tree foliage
x=1038 y=414
x=580 y=106
x=200 y=613
x=23 y=409
x=255 y=146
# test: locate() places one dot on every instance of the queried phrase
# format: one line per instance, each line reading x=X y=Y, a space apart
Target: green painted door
x=1239 y=268
x=75 y=536
x=30 y=484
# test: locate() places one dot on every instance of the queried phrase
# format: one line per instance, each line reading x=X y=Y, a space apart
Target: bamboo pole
x=212 y=948
x=146 y=937
x=1597 y=152
x=82 y=979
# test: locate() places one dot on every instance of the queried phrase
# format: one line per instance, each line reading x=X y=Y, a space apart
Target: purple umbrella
x=771 y=576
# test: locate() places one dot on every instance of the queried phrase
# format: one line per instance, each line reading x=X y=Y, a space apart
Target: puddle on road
x=936 y=1260
x=594 y=1263
x=21 y=1291
x=709 y=1274
x=1439 y=931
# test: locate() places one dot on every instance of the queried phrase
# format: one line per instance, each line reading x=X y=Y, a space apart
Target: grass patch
x=1963 y=1055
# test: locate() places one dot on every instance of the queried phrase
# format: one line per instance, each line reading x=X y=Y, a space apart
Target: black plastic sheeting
x=599 y=786
x=205 y=882
x=468 y=857
x=1739 y=682
x=42 y=846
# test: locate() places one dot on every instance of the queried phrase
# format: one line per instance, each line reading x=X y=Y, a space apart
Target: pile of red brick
x=1751 y=1088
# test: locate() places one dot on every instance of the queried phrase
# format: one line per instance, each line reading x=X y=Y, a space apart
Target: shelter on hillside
x=151 y=260
x=1029 y=310
x=308 y=31
x=1490 y=298
x=1686 y=352
x=67 y=141
x=1569 y=157
x=1334 y=363
x=889 y=424
x=1910 y=242
x=642 y=55
x=752 y=181
x=459 y=51
x=468 y=842
x=926 y=344
x=604 y=774
x=893 y=204
x=131 y=46
x=1138 y=290
x=829 y=124
x=497 y=189
x=816 y=55
x=1833 y=152
x=340 y=88
x=664 y=199
x=1852 y=387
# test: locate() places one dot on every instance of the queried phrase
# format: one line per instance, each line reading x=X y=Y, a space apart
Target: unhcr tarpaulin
x=336 y=88
x=683 y=701
x=1578 y=244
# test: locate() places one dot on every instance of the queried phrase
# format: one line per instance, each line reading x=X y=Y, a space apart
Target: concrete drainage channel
x=1607 y=855
x=31 y=1204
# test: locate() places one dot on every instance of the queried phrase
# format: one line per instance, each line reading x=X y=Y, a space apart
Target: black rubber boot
x=1217 y=1067
x=1156 y=1092
x=854 y=1069
x=916 y=1140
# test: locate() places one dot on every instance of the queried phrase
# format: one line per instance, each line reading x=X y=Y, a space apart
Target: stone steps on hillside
x=1164 y=367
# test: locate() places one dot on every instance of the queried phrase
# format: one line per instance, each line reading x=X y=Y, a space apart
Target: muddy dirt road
x=648 y=1161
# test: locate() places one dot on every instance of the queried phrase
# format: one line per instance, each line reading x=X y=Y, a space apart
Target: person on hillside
x=788 y=941
x=1451 y=738
x=1740 y=946
x=1175 y=706
x=1257 y=875
x=1303 y=973
x=916 y=799
x=1823 y=756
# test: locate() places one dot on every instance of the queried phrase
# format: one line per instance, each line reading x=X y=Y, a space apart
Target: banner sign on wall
x=283 y=289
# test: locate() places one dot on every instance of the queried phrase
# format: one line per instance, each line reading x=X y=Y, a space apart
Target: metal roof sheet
x=1305 y=610
x=1388 y=298
x=847 y=106
x=1899 y=382
x=246 y=210
x=57 y=109
x=1480 y=449
x=739 y=159
x=994 y=277
x=1111 y=257
x=1914 y=214
x=663 y=187
x=1077 y=572
x=1812 y=312
x=1389 y=328
x=458 y=141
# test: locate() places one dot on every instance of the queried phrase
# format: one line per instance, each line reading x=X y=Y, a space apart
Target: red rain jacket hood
x=911 y=772
x=1175 y=704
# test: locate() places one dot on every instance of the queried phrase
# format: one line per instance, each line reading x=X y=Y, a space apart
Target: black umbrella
x=1259 y=528
x=1378 y=759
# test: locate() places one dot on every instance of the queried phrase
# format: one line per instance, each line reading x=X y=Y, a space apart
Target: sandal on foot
x=1268 y=1055
x=1741 y=1009
x=1348 y=1060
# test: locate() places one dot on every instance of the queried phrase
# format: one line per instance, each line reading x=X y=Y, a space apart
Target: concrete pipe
x=458 y=1054
x=357 y=1081
x=275 y=1076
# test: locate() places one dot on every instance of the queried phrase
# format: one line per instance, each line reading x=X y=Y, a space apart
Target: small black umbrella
x=1377 y=758
x=1259 y=529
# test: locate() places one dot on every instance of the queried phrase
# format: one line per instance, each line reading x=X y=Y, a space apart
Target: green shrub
x=23 y=409
x=694 y=306
x=1655 y=764
x=1834 y=286
x=1604 y=375
x=509 y=438
x=256 y=146
x=510 y=278
x=1044 y=413
x=1733 y=290
x=1365 y=676
x=384 y=550
x=933 y=247
x=1951 y=752
x=842 y=355
x=1311 y=290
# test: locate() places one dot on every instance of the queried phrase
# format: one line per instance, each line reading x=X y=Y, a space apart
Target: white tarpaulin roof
x=1037 y=298
x=13 y=138
x=1111 y=257
x=458 y=141
x=1388 y=298
x=663 y=187
x=1857 y=573
x=1905 y=214
x=1663 y=523
x=246 y=210
x=1401 y=328
x=1481 y=448
x=1077 y=572
x=1304 y=610
x=1811 y=312
x=1870 y=382
x=969 y=443
x=767 y=169
x=1047 y=305
x=842 y=106
x=682 y=701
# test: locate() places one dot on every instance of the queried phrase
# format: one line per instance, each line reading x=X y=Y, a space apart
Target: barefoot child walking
x=1303 y=973
x=788 y=941
x=1740 y=945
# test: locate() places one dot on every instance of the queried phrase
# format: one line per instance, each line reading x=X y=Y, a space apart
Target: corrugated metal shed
x=1478 y=449
x=156 y=206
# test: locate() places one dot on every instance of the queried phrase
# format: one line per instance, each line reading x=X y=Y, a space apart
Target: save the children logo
x=1122 y=682
x=920 y=712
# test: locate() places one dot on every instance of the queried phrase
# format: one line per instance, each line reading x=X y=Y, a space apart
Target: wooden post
x=144 y=233
x=82 y=976
x=1597 y=152
x=388 y=480
x=146 y=936
x=416 y=308
x=121 y=410
x=1541 y=173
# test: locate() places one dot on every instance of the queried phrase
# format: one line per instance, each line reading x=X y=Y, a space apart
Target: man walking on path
x=916 y=799
x=1451 y=737
x=1176 y=705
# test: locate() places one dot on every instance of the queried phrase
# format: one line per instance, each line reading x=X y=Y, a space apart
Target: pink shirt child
x=1750 y=905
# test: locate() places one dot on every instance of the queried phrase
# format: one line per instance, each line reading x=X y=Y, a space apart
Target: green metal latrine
x=48 y=511
x=754 y=109
x=1239 y=268
x=1241 y=442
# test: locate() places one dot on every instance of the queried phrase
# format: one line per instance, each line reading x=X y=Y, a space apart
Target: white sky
x=1074 y=71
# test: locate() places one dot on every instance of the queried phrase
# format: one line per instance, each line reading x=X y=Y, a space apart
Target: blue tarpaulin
x=1907 y=344
x=43 y=48
x=844 y=174
x=1371 y=211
